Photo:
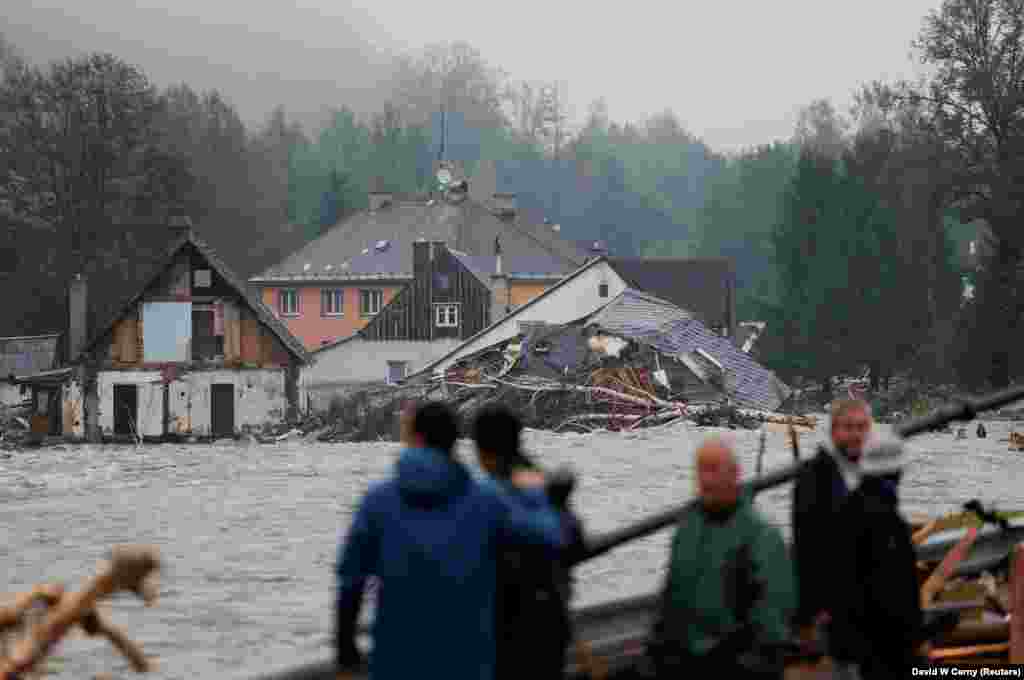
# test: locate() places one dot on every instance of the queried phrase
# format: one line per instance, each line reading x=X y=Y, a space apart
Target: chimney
x=78 y=317
x=505 y=204
x=420 y=259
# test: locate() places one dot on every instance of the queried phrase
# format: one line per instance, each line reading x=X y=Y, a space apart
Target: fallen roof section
x=677 y=333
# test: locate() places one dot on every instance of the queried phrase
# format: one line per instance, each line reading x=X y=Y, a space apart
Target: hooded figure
x=432 y=536
x=877 y=621
x=534 y=590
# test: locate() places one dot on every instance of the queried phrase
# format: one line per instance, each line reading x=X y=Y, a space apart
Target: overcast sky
x=735 y=71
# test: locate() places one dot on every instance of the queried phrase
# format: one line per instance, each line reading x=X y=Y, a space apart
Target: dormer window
x=602 y=290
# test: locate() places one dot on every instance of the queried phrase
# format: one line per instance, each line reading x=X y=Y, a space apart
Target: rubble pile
x=15 y=427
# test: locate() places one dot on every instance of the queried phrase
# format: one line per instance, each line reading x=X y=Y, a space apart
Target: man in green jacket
x=730 y=591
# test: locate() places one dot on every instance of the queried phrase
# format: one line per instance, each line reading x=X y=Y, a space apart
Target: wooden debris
x=937 y=581
x=130 y=569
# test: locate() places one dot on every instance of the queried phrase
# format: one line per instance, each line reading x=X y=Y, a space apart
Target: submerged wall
x=259 y=399
x=185 y=403
x=357 y=363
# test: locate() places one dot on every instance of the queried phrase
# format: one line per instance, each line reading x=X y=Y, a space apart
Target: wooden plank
x=232 y=334
x=250 y=339
x=973 y=650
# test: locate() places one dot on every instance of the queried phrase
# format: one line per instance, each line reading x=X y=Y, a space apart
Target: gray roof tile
x=467 y=226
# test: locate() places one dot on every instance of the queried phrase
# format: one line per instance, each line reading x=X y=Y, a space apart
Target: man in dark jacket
x=877 y=621
x=533 y=626
x=431 y=535
x=729 y=593
x=818 y=495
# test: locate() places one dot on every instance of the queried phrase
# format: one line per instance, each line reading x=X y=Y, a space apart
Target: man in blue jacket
x=432 y=535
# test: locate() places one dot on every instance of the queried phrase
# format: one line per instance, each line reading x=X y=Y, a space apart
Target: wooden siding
x=439 y=278
x=246 y=340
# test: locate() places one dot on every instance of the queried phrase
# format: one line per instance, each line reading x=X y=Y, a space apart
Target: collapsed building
x=636 y=357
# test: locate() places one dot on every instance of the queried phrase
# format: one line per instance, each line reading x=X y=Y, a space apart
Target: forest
x=850 y=238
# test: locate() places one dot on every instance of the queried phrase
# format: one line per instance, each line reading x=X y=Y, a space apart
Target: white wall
x=360 y=361
x=259 y=399
x=150 y=416
x=569 y=302
x=72 y=419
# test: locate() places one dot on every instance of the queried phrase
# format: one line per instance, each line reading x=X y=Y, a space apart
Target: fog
x=735 y=72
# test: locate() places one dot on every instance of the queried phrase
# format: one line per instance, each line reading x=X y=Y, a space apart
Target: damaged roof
x=188 y=237
x=704 y=285
x=378 y=243
x=28 y=355
x=675 y=332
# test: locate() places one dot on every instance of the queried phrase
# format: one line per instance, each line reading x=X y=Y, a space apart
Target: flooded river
x=249 y=532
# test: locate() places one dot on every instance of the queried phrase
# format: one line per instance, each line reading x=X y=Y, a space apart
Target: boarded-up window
x=167 y=331
x=206 y=344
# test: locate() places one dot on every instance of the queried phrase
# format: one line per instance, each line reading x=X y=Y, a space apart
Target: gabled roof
x=553 y=290
x=700 y=285
x=675 y=332
x=378 y=243
x=28 y=355
x=255 y=305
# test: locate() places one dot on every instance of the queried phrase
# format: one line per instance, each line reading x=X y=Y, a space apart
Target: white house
x=703 y=286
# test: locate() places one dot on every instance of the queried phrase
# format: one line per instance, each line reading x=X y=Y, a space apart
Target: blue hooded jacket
x=432 y=536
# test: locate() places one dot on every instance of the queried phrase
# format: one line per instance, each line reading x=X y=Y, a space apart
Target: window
x=397 y=370
x=202 y=278
x=166 y=332
x=206 y=344
x=288 y=302
x=446 y=316
x=602 y=290
x=370 y=302
x=332 y=302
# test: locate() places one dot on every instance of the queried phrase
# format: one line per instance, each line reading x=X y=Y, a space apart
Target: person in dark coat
x=431 y=536
x=877 y=621
x=533 y=627
x=729 y=593
x=819 y=492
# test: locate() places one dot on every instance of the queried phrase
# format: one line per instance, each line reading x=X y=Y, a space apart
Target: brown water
x=249 y=532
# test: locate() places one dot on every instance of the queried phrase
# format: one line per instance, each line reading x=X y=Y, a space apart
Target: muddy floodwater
x=248 y=532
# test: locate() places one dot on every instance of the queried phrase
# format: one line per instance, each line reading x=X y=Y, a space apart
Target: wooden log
x=1017 y=605
x=95 y=624
x=11 y=615
x=922 y=534
x=130 y=569
x=937 y=580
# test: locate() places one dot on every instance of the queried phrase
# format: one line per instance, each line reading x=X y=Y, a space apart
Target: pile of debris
x=636 y=362
x=16 y=427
